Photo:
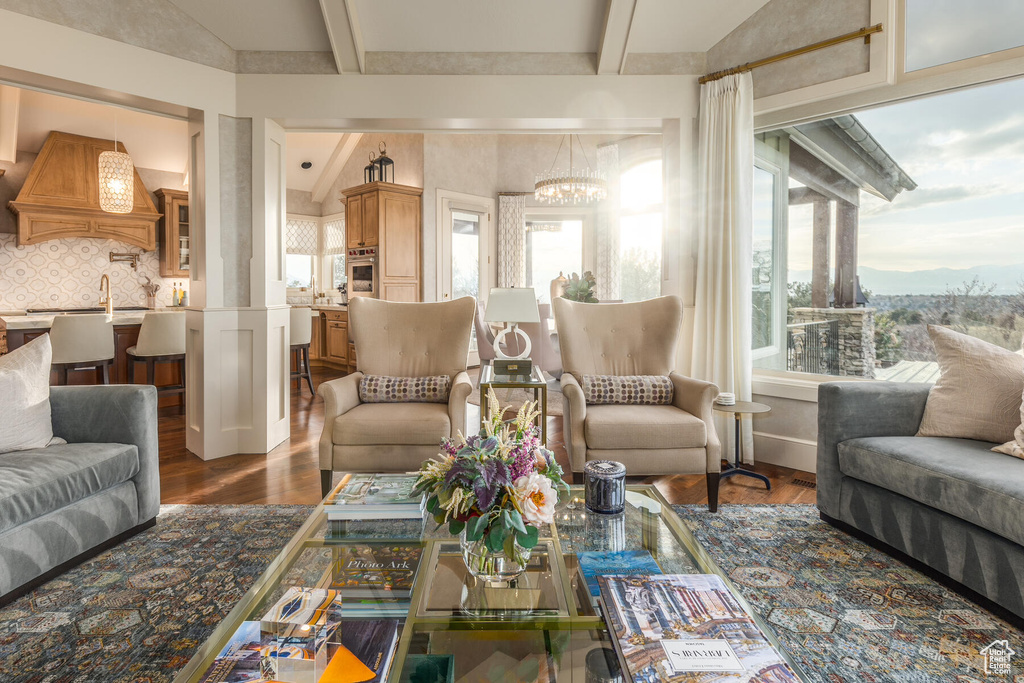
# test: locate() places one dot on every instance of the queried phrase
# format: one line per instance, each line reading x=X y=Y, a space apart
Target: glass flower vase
x=487 y=565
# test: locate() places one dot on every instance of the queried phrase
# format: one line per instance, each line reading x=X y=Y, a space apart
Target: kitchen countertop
x=45 y=322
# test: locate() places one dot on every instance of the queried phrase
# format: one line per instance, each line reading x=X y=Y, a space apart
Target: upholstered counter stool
x=301 y=336
x=82 y=342
x=161 y=340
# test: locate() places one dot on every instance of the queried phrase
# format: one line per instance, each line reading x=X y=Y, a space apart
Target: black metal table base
x=734 y=468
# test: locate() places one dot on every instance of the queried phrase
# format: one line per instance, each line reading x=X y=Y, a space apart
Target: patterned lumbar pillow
x=628 y=389
x=382 y=389
x=25 y=386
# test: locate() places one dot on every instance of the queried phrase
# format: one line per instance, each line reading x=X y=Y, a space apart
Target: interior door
x=466 y=267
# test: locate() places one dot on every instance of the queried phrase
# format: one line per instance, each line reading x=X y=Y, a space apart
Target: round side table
x=738 y=411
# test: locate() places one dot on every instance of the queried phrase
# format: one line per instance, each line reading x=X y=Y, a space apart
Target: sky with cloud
x=964 y=149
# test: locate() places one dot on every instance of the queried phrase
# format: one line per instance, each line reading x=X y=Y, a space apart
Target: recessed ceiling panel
x=315 y=148
x=481 y=25
x=687 y=25
x=287 y=25
x=152 y=141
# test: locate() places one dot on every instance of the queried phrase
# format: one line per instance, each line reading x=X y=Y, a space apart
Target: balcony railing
x=813 y=347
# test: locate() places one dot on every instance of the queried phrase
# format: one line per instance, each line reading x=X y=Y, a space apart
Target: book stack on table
x=375 y=496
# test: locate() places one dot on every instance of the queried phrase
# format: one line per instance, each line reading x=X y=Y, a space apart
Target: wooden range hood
x=61 y=197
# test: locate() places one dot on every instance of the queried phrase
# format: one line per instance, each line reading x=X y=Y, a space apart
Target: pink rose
x=536 y=497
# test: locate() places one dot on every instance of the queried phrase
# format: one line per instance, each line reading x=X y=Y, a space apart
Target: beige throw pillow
x=25 y=388
x=978 y=395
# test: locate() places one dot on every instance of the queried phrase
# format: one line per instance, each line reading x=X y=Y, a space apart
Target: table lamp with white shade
x=511 y=306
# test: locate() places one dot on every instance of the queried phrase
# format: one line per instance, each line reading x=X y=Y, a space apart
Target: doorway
x=465 y=264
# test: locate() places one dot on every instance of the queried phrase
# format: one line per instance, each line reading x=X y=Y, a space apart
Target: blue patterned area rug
x=136 y=613
x=846 y=611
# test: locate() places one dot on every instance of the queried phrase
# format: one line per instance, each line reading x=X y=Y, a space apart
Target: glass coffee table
x=544 y=627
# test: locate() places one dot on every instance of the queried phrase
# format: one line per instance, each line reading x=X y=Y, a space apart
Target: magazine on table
x=375 y=496
x=614 y=562
x=672 y=628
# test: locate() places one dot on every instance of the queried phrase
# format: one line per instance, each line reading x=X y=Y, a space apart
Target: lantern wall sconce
x=385 y=166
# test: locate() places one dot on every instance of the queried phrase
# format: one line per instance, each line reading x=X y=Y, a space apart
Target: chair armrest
x=575 y=414
x=340 y=396
x=114 y=414
x=462 y=387
x=697 y=398
x=854 y=410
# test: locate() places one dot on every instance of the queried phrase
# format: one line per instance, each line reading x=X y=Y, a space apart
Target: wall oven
x=363 y=272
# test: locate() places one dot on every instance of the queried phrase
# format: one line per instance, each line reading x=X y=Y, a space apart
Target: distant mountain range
x=1007 y=279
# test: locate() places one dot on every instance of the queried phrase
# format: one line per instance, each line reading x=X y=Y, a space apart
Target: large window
x=640 y=231
x=899 y=217
x=553 y=246
x=944 y=31
x=315 y=254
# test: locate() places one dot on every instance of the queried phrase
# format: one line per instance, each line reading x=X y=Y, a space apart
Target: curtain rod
x=514 y=194
x=864 y=33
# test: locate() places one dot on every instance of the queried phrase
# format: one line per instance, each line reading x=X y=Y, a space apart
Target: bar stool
x=161 y=340
x=301 y=335
x=82 y=342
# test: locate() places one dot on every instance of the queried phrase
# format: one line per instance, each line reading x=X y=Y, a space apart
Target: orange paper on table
x=345 y=667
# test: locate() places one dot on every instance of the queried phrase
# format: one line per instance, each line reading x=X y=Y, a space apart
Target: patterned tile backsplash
x=66 y=273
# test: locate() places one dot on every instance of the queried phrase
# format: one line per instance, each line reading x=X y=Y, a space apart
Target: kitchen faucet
x=107 y=302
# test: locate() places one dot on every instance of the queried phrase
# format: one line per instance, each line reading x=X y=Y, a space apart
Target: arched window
x=641 y=211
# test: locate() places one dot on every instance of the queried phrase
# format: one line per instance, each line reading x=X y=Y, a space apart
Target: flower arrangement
x=497 y=487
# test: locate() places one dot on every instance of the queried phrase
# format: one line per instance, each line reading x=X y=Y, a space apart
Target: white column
x=237 y=337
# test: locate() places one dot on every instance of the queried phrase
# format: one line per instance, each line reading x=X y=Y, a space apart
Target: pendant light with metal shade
x=117 y=180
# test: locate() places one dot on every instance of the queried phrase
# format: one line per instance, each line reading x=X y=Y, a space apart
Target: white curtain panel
x=512 y=240
x=607 y=232
x=722 y=326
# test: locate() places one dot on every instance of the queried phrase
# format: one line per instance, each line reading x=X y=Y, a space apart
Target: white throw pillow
x=978 y=395
x=25 y=388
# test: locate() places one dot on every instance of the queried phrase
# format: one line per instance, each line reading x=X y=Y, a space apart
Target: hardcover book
x=374 y=496
x=370 y=641
x=677 y=628
x=621 y=563
x=375 y=570
x=253 y=655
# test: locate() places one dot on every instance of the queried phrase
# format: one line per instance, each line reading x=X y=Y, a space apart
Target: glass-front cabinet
x=175 y=233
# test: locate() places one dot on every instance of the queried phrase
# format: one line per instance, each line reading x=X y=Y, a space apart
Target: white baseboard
x=798 y=454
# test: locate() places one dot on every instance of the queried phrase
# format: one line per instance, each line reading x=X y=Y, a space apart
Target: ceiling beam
x=10 y=112
x=342 y=153
x=614 y=45
x=346 y=35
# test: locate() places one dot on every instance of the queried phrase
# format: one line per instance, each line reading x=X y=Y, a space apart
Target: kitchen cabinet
x=60 y=197
x=335 y=350
x=314 y=343
x=389 y=216
x=175 y=233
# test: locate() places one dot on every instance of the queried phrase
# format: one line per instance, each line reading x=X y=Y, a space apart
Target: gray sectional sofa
x=63 y=503
x=951 y=504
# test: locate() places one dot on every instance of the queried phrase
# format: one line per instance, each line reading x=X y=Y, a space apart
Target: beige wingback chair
x=635 y=339
x=396 y=340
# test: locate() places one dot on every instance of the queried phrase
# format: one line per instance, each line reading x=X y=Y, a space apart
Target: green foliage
x=888 y=340
x=640 y=277
x=581 y=288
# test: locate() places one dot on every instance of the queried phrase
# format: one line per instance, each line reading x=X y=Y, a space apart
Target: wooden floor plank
x=290 y=474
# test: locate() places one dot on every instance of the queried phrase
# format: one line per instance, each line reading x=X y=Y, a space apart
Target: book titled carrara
x=677 y=628
x=376 y=570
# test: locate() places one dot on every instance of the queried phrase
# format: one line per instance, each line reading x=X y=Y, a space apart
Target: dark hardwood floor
x=291 y=472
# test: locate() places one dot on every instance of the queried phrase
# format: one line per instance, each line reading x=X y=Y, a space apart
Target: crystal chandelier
x=117 y=180
x=575 y=186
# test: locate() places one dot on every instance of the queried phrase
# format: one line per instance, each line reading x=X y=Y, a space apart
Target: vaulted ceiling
x=412 y=36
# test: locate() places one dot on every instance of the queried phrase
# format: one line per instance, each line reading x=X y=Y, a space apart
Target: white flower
x=536 y=497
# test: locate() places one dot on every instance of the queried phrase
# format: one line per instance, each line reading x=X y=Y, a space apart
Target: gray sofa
x=61 y=504
x=950 y=504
